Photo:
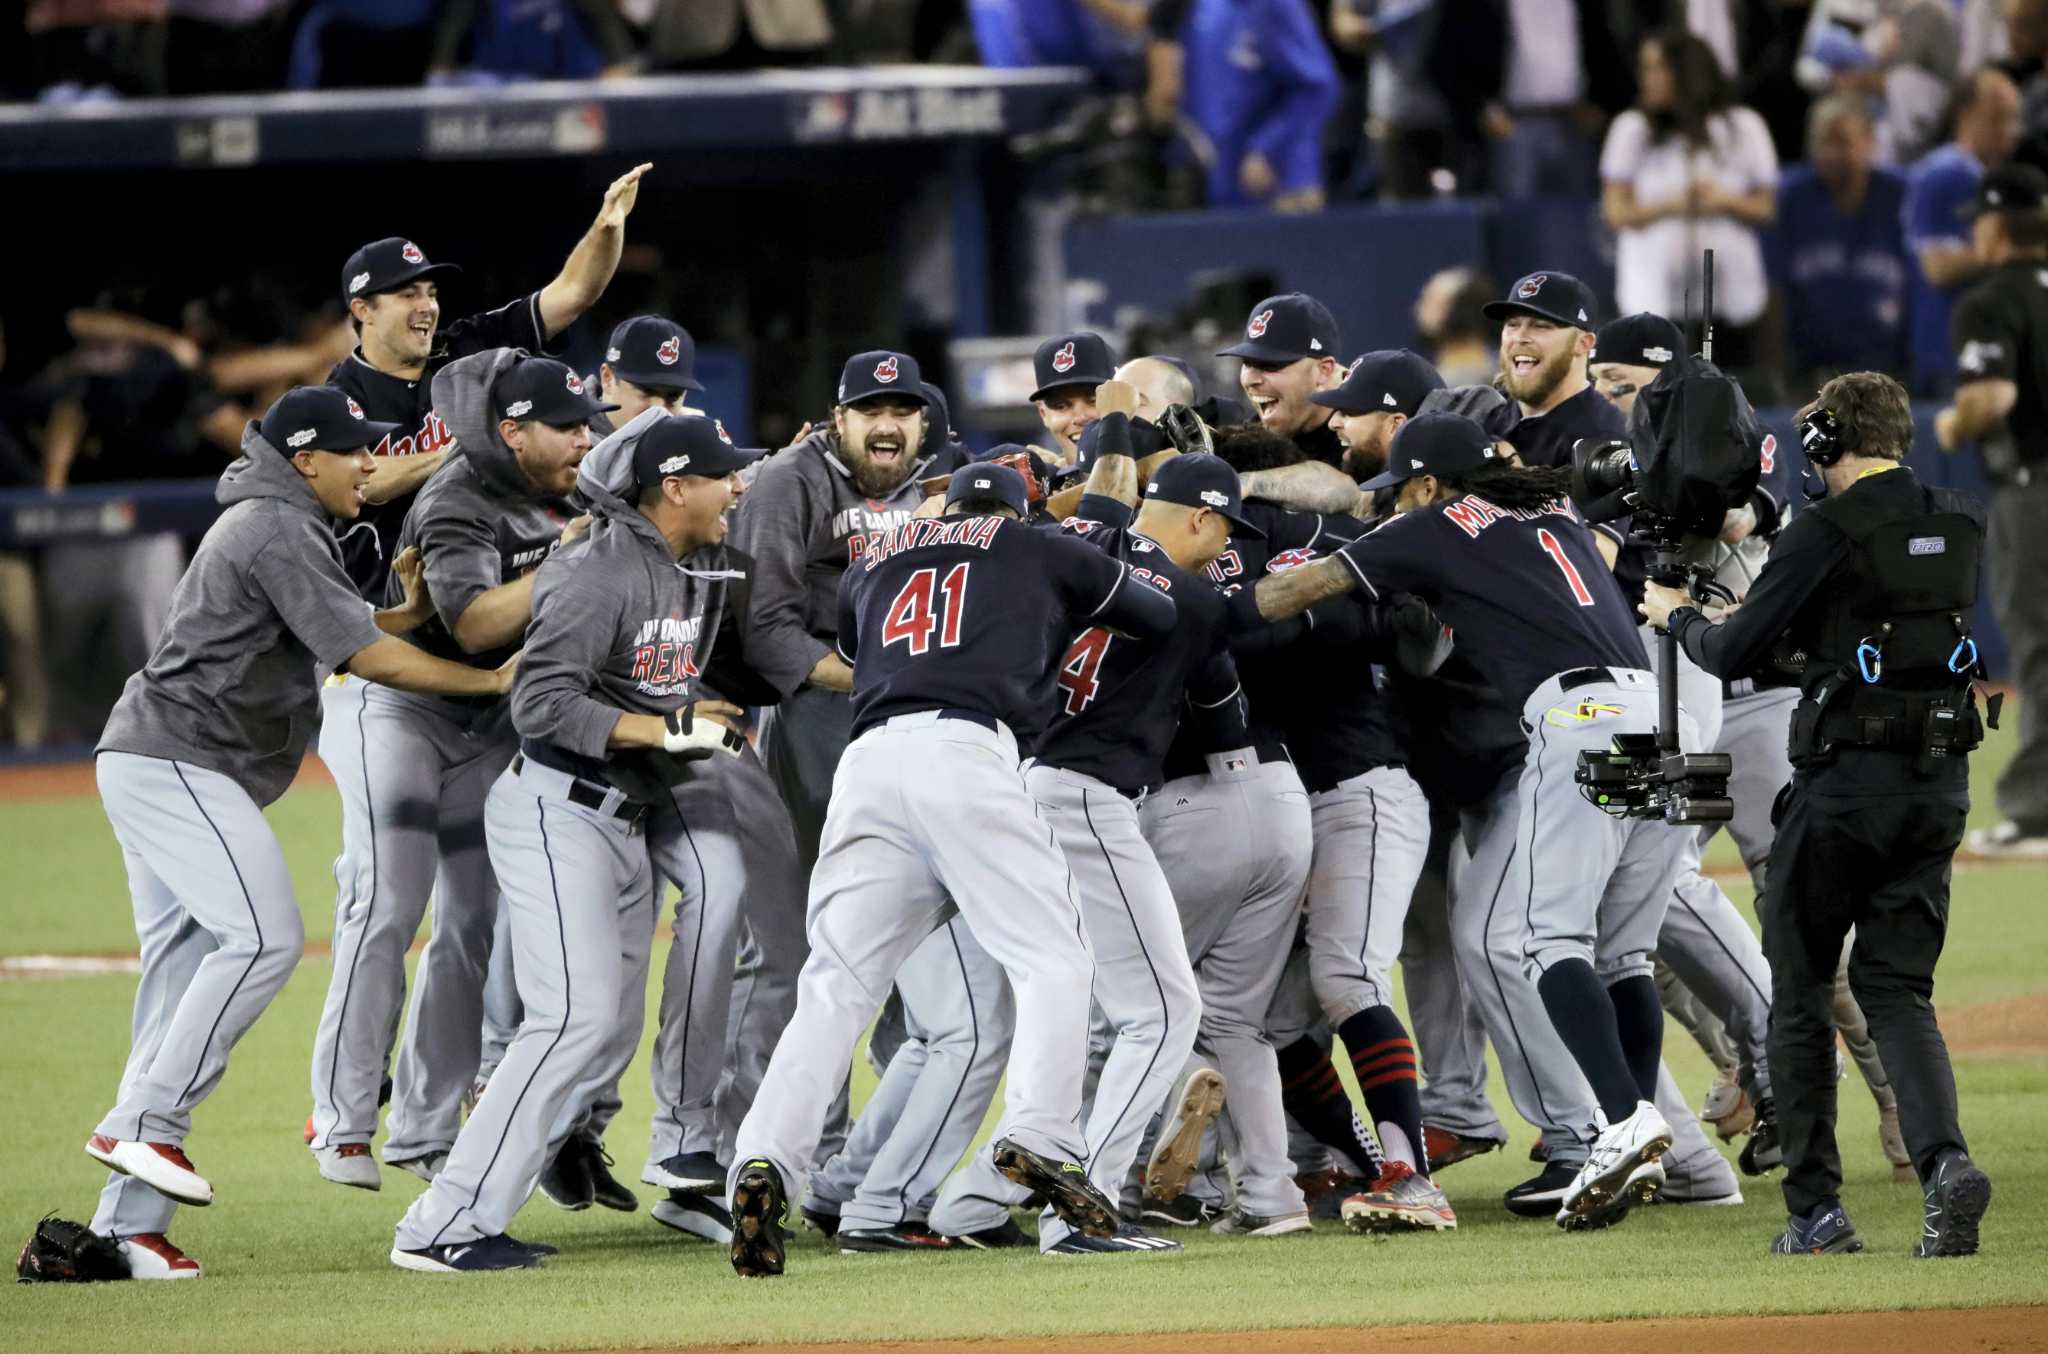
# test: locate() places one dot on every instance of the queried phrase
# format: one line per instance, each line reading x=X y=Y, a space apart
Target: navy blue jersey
x=1526 y=592
x=976 y=613
x=1121 y=698
x=1547 y=439
x=367 y=551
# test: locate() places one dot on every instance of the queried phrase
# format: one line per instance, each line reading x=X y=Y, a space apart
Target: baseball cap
x=1390 y=380
x=979 y=479
x=320 y=418
x=1071 y=360
x=650 y=350
x=2012 y=187
x=542 y=390
x=1286 y=328
x=1639 y=340
x=1558 y=297
x=1202 y=481
x=1435 y=443
x=1483 y=404
x=881 y=373
x=687 y=444
x=386 y=265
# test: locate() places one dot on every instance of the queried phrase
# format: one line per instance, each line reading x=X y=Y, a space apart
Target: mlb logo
x=1257 y=328
x=885 y=370
x=670 y=352
x=411 y=253
x=1063 y=360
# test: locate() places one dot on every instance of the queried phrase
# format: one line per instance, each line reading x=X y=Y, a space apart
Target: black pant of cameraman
x=1861 y=842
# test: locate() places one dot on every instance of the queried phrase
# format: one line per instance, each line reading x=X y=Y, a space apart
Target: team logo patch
x=885 y=370
x=574 y=382
x=1658 y=353
x=411 y=253
x=1063 y=360
x=1257 y=327
x=358 y=282
x=1530 y=285
x=723 y=435
x=1215 y=498
x=354 y=410
x=670 y=352
x=519 y=409
x=1562 y=716
x=1289 y=559
x=1768 y=452
x=673 y=464
x=301 y=437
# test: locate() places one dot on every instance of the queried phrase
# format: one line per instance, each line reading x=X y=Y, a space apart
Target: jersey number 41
x=912 y=616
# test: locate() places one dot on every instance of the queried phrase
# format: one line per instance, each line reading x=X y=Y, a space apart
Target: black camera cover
x=1697 y=446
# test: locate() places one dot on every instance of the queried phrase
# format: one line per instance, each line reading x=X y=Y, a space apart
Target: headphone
x=1825 y=438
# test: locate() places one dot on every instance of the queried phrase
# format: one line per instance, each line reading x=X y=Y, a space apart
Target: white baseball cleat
x=1642 y=1137
x=162 y=1166
x=150 y=1255
x=1179 y=1150
x=349 y=1164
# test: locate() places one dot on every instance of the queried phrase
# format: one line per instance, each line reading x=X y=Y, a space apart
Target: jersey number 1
x=1552 y=548
x=910 y=619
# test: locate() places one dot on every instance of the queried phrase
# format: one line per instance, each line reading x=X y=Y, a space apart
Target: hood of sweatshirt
x=462 y=397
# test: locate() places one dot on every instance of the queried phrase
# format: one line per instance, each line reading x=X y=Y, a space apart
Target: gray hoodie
x=476 y=520
x=231 y=686
x=802 y=522
x=619 y=625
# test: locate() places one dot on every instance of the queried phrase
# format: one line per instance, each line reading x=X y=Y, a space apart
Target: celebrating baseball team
x=1115 y=776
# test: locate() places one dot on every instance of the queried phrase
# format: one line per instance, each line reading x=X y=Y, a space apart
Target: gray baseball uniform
x=618 y=625
x=212 y=729
x=413 y=772
x=958 y=1020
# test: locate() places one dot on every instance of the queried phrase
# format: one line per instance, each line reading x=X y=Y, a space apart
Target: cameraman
x=1879 y=792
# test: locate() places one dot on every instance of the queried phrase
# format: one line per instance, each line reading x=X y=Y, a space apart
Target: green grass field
x=294 y=1263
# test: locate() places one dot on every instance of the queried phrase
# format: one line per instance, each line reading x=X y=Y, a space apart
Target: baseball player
x=1160 y=384
x=951 y=665
x=209 y=732
x=1068 y=368
x=414 y=771
x=621 y=628
x=392 y=294
x=1559 y=640
x=1289 y=351
x=1547 y=325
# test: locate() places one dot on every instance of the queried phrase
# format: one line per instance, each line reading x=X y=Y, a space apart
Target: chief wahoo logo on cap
x=670 y=352
x=1063 y=360
x=1257 y=328
x=575 y=384
x=885 y=370
x=354 y=410
x=1531 y=285
x=411 y=253
x=723 y=435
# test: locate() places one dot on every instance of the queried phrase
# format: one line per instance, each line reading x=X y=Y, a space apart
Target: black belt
x=1578 y=677
x=587 y=794
x=1327 y=786
x=989 y=722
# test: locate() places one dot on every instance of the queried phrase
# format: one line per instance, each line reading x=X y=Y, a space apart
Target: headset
x=1825 y=438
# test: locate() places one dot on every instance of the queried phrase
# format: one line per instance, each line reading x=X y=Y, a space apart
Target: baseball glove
x=64 y=1252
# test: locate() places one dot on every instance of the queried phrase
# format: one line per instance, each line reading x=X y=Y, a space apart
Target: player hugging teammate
x=1202 y=743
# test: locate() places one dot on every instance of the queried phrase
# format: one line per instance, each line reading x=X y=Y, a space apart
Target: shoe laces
x=175 y=1155
x=1392 y=1174
x=353 y=1149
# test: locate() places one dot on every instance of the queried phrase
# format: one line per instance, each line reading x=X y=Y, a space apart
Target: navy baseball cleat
x=1128 y=1240
x=475 y=1256
x=1064 y=1183
x=904 y=1236
x=760 y=1212
x=1957 y=1195
x=690 y=1172
x=1825 y=1232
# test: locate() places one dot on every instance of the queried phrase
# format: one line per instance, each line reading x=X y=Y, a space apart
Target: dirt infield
x=2018 y=1027
x=2006 y=1330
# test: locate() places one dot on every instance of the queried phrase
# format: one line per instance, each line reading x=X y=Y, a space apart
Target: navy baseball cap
x=1435 y=443
x=649 y=350
x=542 y=390
x=2012 y=187
x=1200 y=480
x=1483 y=404
x=687 y=444
x=979 y=479
x=1558 y=297
x=881 y=373
x=1391 y=380
x=386 y=265
x=1639 y=340
x=320 y=418
x=938 y=418
x=1071 y=360
x=1286 y=328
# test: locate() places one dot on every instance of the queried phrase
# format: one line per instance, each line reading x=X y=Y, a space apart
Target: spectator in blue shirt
x=1260 y=84
x=1986 y=125
x=1104 y=37
x=1837 y=255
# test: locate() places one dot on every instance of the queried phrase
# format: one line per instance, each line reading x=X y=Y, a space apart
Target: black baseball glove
x=64 y=1252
